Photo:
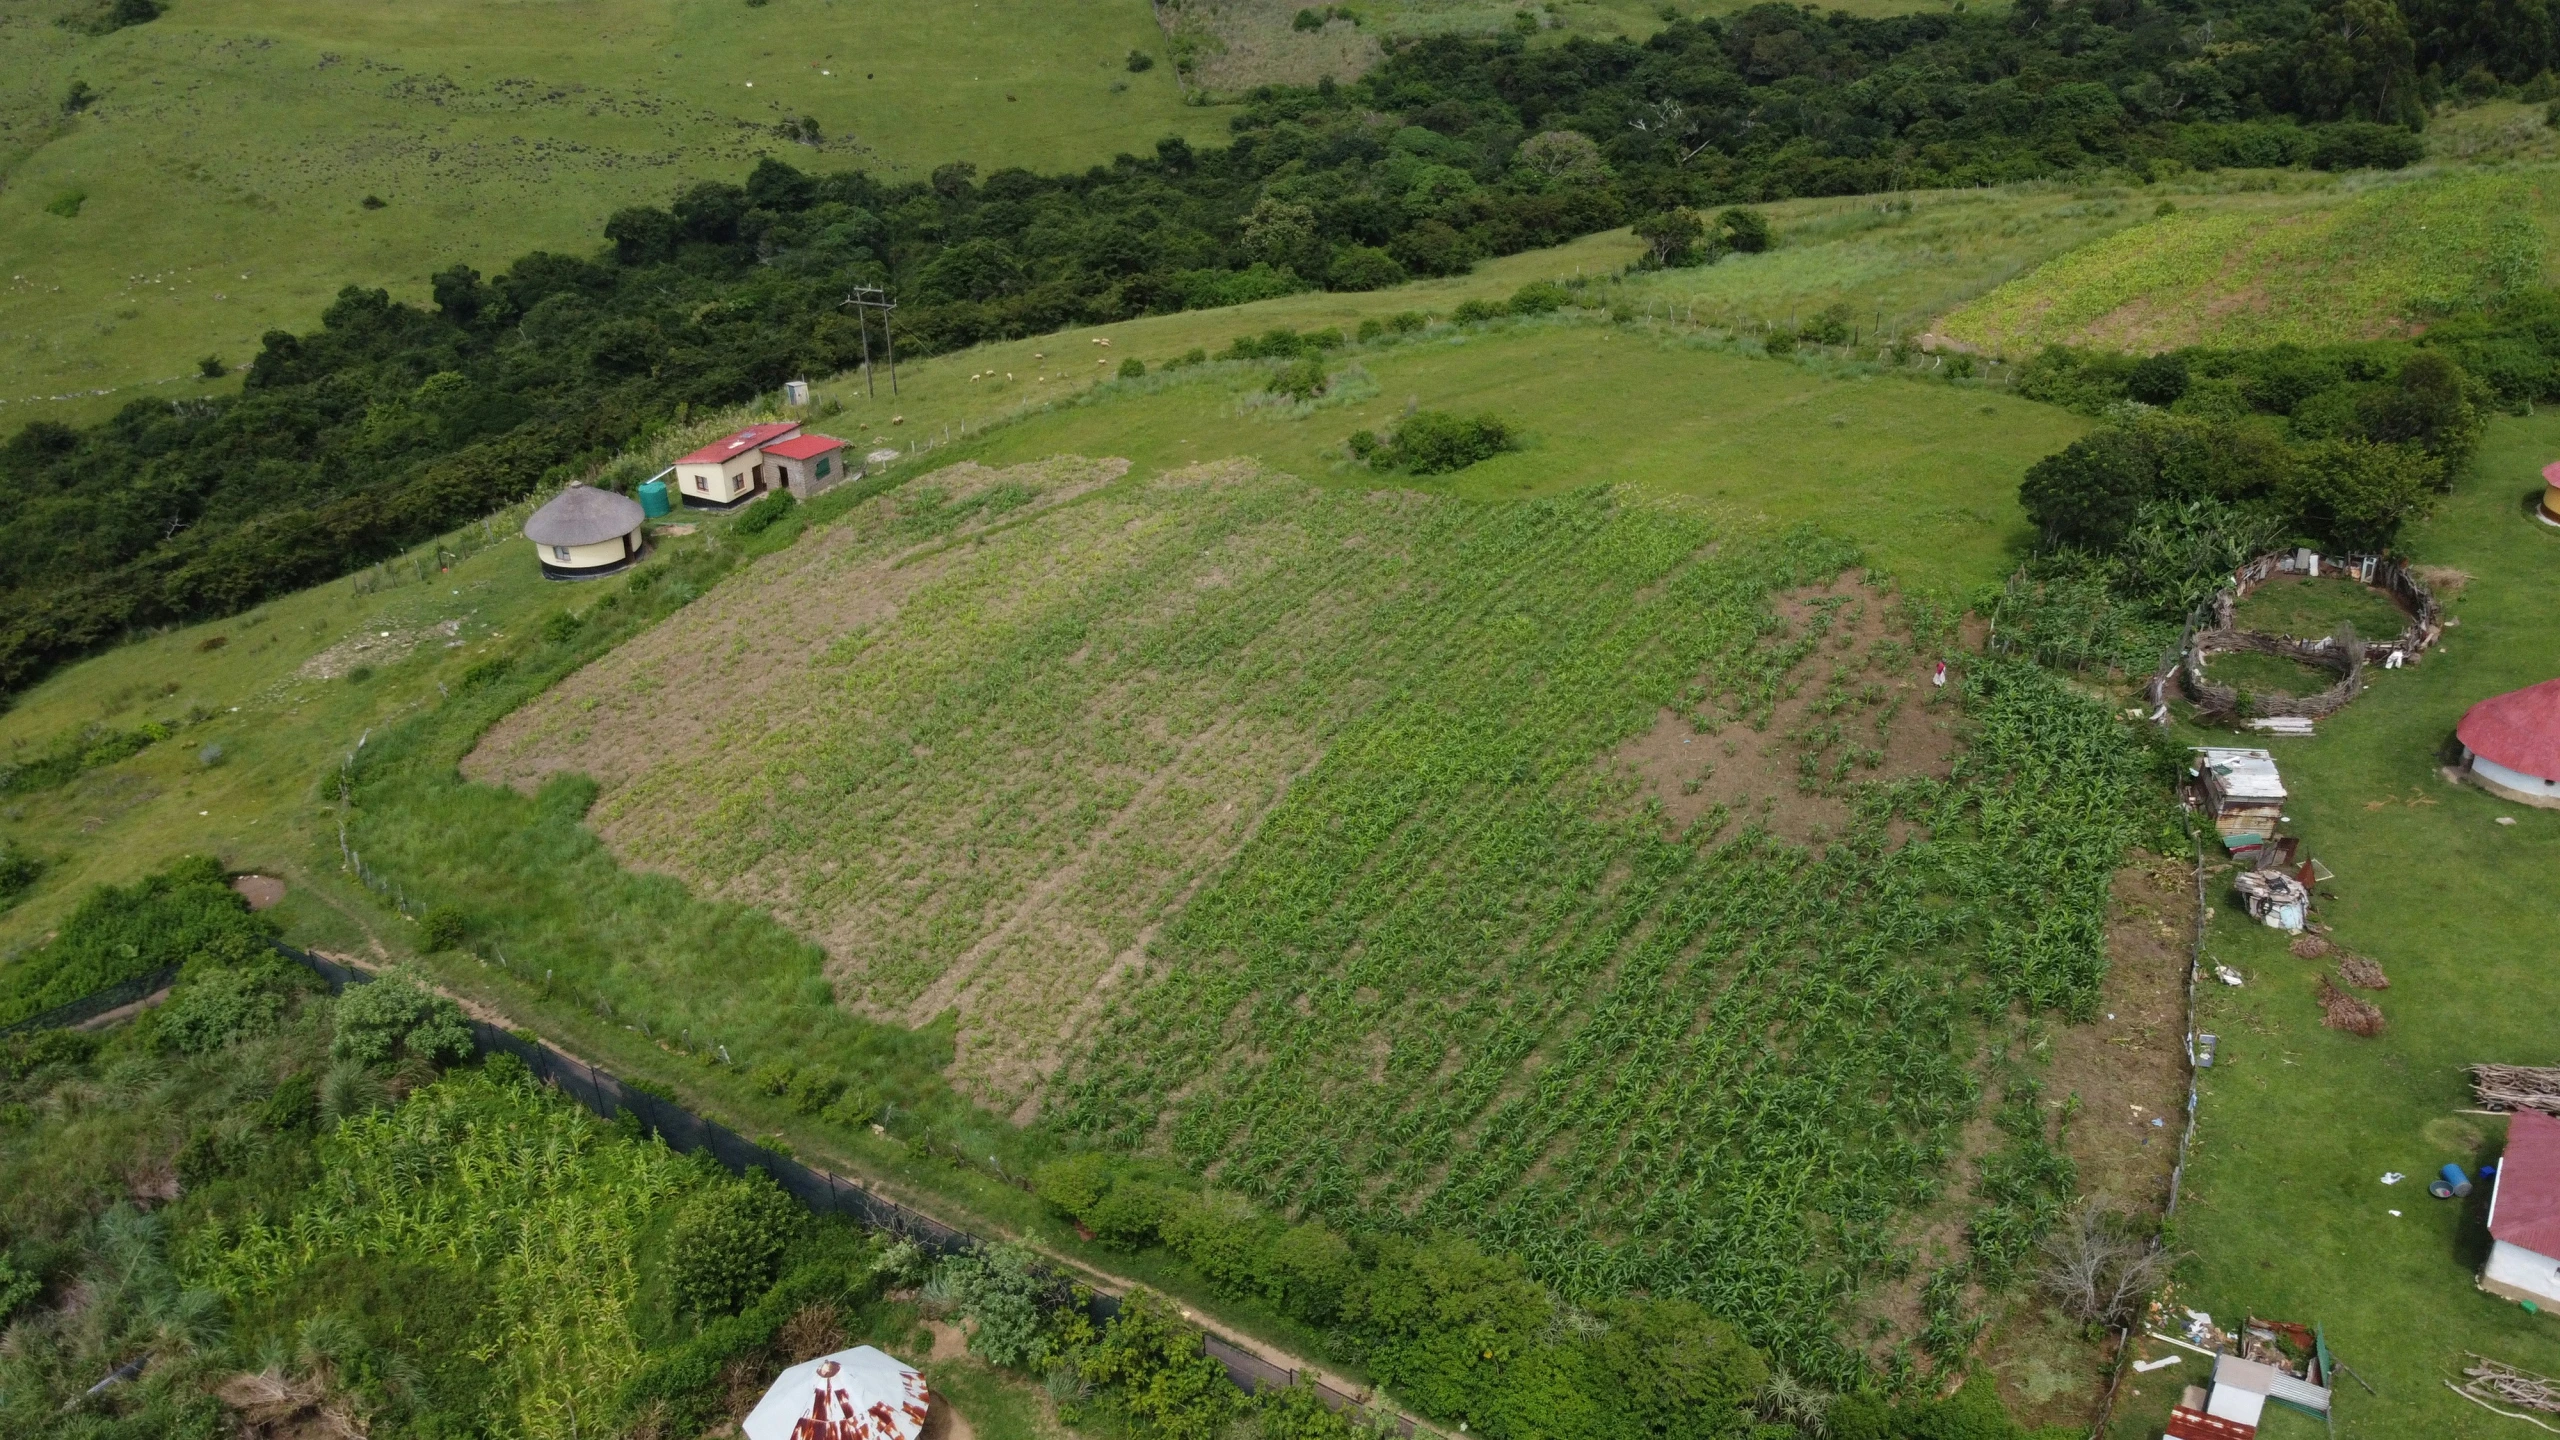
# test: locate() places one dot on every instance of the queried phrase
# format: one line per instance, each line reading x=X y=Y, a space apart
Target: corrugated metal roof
x=730 y=447
x=2524 y=1209
x=2243 y=774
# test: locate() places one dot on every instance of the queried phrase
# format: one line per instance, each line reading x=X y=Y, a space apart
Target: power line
x=864 y=300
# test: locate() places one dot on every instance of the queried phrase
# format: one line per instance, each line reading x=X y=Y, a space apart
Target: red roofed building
x=2549 y=514
x=730 y=471
x=805 y=464
x=2512 y=742
x=2524 y=1213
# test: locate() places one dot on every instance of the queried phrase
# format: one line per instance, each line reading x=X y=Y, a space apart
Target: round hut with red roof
x=2512 y=744
x=2549 y=514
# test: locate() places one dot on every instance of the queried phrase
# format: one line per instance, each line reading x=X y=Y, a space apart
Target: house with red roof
x=2548 y=512
x=731 y=470
x=2524 y=1213
x=2512 y=744
x=806 y=465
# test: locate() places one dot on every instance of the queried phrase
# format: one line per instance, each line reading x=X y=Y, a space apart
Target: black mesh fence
x=91 y=1006
x=686 y=1132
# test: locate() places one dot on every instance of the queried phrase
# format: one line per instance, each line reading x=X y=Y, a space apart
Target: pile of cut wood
x=2517 y=1087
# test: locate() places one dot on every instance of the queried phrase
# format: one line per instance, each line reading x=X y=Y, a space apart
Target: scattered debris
x=2506 y=819
x=2292 y=725
x=2487 y=1380
x=2275 y=899
x=2308 y=947
x=2145 y=1367
x=2227 y=975
x=2517 y=1087
x=2362 y=973
x=2342 y=1011
x=2392 y=1177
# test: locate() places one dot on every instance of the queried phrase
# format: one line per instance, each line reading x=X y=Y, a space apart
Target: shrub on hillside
x=1540 y=297
x=215 y=1006
x=1301 y=379
x=766 y=513
x=728 y=1243
x=1152 y=1364
x=2363 y=145
x=185 y=913
x=1363 y=267
x=394 y=1018
x=18 y=871
x=1005 y=1290
x=1745 y=231
x=1436 y=442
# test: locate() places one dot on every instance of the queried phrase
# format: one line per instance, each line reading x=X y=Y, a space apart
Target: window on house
x=824 y=465
x=560 y=552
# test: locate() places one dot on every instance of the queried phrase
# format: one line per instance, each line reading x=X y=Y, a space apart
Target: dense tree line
x=391 y=422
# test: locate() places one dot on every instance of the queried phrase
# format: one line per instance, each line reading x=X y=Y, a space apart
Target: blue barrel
x=2455 y=1180
x=653 y=498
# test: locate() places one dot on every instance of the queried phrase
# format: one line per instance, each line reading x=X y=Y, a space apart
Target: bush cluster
x=2188 y=475
x=1435 y=442
x=729 y=1241
x=186 y=914
x=1465 y=1335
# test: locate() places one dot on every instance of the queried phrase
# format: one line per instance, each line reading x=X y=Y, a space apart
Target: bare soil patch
x=261 y=891
x=1856 y=707
x=373 y=648
x=2128 y=1068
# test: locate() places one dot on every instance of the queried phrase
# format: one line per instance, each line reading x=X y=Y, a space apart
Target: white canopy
x=857 y=1394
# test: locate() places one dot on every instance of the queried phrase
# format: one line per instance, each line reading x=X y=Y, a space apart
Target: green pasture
x=2306 y=607
x=225 y=165
x=2284 y=1213
x=2332 y=260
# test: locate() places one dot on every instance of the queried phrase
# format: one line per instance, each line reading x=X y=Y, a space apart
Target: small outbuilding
x=857 y=1394
x=731 y=471
x=806 y=465
x=2242 y=791
x=2524 y=1213
x=2511 y=743
x=585 y=532
x=2549 y=513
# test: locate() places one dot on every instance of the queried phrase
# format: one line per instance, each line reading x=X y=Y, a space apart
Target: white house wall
x=2518 y=1273
x=2515 y=783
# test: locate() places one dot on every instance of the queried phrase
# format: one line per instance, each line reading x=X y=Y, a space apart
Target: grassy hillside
x=2381 y=256
x=226 y=161
x=2284 y=1210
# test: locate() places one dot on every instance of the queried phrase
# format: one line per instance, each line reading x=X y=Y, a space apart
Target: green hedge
x=186 y=912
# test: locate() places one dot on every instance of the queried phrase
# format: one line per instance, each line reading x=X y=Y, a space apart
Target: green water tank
x=653 y=498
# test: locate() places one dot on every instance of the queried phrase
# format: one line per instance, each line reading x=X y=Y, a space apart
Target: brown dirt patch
x=2363 y=974
x=943 y=1420
x=2129 y=1067
x=373 y=648
x=261 y=891
x=1856 y=707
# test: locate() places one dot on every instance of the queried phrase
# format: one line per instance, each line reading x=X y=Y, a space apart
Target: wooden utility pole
x=864 y=300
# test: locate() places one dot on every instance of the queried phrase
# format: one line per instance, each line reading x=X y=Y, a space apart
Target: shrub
x=67 y=204
x=443 y=927
x=1127 y=1216
x=1673 y=237
x=1140 y=62
x=1133 y=368
x=2363 y=145
x=1435 y=442
x=1363 y=267
x=1829 y=326
x=217 y=1006
x=766 y=513
x=1301 y=379
x=18 y=871
x=394 y=1017
x=1407 y=322
x=1745 y=230
x=1005 y=1289
x=1540 y=297
x=728 y=1242
x=1074 y=1185
x=212 y=367
x=2157 y=379
x=812 y=1092
x=184 y=914
x=1152 y=1362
